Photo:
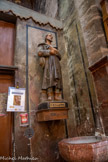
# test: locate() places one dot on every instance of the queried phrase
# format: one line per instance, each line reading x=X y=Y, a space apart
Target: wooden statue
x=52 y=77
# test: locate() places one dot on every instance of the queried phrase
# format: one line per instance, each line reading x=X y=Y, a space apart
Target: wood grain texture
x=6 y=135
x=7 y=31
x=6 y=43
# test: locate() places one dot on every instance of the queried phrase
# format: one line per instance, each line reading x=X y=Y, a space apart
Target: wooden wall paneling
x=7 y=33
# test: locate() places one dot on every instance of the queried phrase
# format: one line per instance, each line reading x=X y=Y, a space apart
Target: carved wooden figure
x=52 y=77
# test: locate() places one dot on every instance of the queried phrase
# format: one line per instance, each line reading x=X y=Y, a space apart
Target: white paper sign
x=16 y=99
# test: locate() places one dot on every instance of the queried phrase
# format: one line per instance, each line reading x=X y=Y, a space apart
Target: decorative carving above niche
x=25 y=13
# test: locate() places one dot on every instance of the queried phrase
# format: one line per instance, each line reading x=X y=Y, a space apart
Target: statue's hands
x=53 y=51
x=40 y=53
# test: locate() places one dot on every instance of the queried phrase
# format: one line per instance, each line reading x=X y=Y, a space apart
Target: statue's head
x=49 y=37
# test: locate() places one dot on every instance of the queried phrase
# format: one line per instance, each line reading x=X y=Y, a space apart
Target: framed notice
x=16 y=99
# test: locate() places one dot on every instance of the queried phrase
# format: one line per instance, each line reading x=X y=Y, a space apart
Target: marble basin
x=84 y=149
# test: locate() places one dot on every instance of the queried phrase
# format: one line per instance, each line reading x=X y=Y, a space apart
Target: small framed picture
x=16 y=99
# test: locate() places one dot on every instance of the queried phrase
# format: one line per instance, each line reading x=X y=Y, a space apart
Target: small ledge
x=99 y=64
x=8 y=69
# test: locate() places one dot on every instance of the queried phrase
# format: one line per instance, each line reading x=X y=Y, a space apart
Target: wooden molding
x=7 y=69
x=99 y=64
x=104 y=6
x=25 y=13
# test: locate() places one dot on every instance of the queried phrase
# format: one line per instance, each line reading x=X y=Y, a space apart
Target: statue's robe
x=52 y=76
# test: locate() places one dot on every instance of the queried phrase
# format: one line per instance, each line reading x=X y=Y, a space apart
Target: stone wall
x=92 y=28
x=82 y=89
x=3 y=102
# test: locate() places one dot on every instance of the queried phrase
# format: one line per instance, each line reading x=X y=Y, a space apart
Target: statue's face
x=49 y=37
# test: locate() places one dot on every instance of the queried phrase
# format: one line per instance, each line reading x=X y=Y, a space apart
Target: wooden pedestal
x=52 y=111
x=104 y=6
x=52 y=114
